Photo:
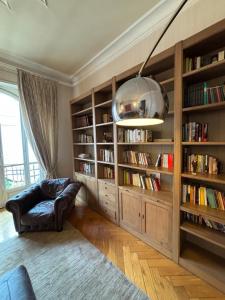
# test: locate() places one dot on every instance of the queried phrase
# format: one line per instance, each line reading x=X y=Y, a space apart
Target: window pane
x=11 y=142
x=11 y=130
x=32 y=157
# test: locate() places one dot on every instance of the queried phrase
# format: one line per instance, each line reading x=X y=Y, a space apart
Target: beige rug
x=64 y=265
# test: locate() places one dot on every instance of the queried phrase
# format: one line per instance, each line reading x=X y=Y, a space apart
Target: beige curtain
x=38 y=98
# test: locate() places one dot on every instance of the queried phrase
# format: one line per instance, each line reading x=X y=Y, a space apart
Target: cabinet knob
x=143 y=216
x=139 y=214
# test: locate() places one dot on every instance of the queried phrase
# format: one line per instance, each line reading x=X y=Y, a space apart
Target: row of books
x=197 y=62
x=86 y=168
x=106 y=117
x=201 y=94
x=108 y=173
x=106 y=155
x=143 y=181
x=203 y=221
x=134 y=135
x=84 y=121
x=165 y=160
x=201 y=195
x=139 y=158
x=85 y=138
x=195 y=132
x=199 y=163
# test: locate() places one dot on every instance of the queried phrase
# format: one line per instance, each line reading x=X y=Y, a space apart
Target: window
x=18 y=163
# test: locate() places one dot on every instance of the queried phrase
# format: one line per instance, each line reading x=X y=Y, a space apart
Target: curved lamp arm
x=161 y=36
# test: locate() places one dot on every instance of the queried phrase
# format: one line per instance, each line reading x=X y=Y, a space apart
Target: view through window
x=18 y=163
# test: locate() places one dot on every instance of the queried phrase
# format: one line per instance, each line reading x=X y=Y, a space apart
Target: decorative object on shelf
x=141 y=101
x=84 y=155
x=199 y=163
x=106 y=118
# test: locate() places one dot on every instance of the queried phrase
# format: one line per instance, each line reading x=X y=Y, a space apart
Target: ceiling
x=68 y=33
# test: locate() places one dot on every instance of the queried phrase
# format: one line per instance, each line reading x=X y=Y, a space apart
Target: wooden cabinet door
x=157 y=223
x=82 y=194
x=130 y=210
x=92 y=192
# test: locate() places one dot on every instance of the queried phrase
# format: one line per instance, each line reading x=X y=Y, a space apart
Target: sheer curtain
x=3 y=193
x=38 y=99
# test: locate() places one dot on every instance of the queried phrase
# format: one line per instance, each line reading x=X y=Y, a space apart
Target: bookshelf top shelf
x=207 y=234
x=83 y=111
x=210 y=213
x=206 y=107
x=220 y=178
x=207 y=72
x=148 y=169
x=165 y=197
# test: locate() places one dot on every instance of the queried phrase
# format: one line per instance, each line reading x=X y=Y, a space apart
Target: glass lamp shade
x=140 y=101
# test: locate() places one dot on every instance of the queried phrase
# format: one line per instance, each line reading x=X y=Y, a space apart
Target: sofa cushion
x=41 y=213
x=52 y=188
x=16 y=285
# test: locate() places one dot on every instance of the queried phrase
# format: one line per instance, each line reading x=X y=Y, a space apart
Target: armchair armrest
x=63 y=201
x=22 y=202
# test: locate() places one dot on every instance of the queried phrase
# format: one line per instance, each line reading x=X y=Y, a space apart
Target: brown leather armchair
x=43 y=206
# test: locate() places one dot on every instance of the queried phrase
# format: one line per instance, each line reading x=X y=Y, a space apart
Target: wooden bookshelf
x=134 y=208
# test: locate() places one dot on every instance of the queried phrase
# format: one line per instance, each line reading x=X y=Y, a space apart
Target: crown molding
x=10 y=63
x=138 y=31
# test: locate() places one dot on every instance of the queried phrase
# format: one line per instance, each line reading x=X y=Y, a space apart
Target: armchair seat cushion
x=41 y=213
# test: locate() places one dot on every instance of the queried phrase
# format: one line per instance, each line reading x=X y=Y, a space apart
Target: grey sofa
x=16 y=285
x=43 y=206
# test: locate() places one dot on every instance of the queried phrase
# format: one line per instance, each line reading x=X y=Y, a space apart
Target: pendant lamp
x=142 y=101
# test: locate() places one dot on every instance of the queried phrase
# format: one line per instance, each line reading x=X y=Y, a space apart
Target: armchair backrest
x=52 y=188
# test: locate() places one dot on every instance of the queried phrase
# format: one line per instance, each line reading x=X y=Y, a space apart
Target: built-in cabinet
x=147 y=218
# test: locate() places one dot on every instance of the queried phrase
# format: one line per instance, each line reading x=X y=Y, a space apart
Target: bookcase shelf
x=107 y=103
x=85 y=159
x=204 y=108
x=165 y=197
x=83 y=128
x=203 y=143
x=105 y=144
x=203 y=263
x=220 y=178
x=207 y=234
x=148 y=143
x=104 y=124
x=83 y=144
x=205 y=73
x=210 y=213
x=105 y=162
x=83 y=111
x=147 y=169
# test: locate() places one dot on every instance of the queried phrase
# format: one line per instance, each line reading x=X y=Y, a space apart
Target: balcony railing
x=18 y=175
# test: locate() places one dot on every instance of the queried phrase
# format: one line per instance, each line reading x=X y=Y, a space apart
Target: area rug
x=64 y=265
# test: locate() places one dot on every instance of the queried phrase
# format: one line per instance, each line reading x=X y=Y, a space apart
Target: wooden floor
x=158 y=276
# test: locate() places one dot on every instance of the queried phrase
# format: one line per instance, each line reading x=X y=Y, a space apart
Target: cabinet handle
x=143 y=216
x=139 y=214
x=106 y=195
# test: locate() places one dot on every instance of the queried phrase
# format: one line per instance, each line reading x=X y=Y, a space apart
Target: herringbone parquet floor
x=158 y=276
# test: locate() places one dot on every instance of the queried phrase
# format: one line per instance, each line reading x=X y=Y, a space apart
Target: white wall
x=198 y=15
x=64 y=166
